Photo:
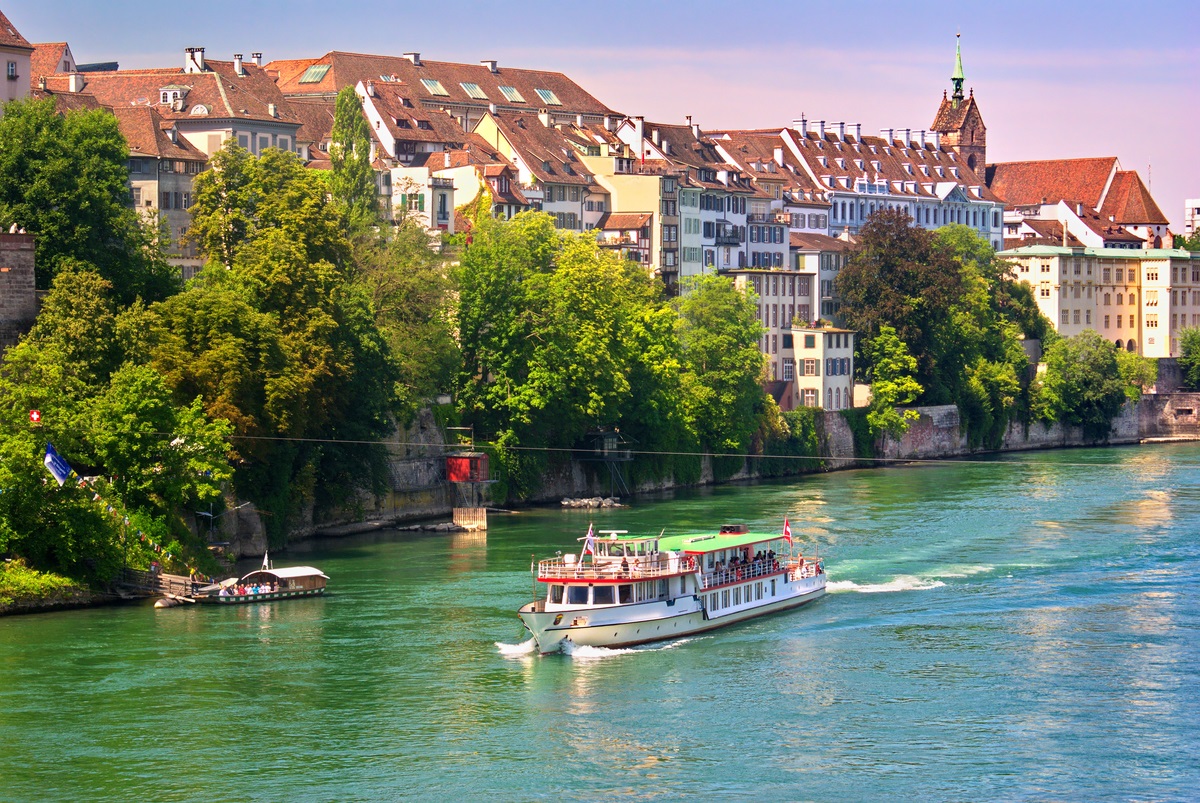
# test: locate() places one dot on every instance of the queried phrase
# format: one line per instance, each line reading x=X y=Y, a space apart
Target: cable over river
x=1024 y=628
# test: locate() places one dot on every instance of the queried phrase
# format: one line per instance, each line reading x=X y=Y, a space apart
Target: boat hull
x=271 y=596
x=627 y=626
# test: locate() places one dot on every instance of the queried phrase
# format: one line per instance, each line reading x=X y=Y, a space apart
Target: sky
x=1056 y=79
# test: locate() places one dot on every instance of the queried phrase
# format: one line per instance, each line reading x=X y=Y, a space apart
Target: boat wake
x=585 y=653
x=903 y=583
x=516 y=650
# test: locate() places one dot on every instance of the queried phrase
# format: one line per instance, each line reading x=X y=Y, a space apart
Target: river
x=1023 y=628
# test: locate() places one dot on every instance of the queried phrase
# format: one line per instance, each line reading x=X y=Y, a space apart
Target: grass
x=18 y=582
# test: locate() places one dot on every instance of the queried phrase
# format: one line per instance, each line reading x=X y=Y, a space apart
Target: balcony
x=439 y=183
x=728 y=238
x=770 y=218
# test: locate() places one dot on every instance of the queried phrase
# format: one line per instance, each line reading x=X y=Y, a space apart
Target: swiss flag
x=35 y=416
x=787 y=530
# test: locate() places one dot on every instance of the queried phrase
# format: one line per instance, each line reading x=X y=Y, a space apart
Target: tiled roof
x=812 y=241
x=219 y=89
x=949 y=118
x=1128 y=202
x=917 y=172
x=679 y=145
x=10 y=37
x=316 y=119
x=347 y=69
x=47 y=59
x=1110 y=231
x=1049 y=231
x=754 y=153
x=146 y=131
x=624 y=221
x=1053 y=180
x=543 y=150
x=410 y=122
x=69 y=101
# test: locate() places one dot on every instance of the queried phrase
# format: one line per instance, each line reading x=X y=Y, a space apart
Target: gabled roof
x=624 y=221
x=679 y=145
x=410 y=121
x=219 y=89
x=543 y=150
x=316 y=119
x=69 y=101
x=47 y=59
x=10 y=37
x=813 y=241
x=753 y=152
x=146 y=131
x=950 y=119
x=346 y=69
x=1052 y=180
x=1128 y=202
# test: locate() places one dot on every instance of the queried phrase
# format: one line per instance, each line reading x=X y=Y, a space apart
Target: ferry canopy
x=702 y=543
x=289 y=572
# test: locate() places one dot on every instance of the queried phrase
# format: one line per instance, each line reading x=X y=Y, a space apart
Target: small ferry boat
x=266 y=584
x=637 y=589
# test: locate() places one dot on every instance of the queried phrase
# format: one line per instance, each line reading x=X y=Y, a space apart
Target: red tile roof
x=812 y=241
x=949 y=118
x=69 y=101
x=543 y=150
x=10 y=37
x=410 y=122
x=624 y=221
x=147 y=134
x=347 y=69
x=1053 y=180
x=316 y=119
x=223 y=92
x=47 y=59
x=1128 y=202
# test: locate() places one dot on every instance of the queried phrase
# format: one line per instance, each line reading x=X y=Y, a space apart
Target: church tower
x=960 y=124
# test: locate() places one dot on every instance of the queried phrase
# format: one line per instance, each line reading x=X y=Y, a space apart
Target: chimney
x=937 y=140
x=42 y=83
x=887 y=134
x=779 y=156
x=544 y=117
x=579 y=120
x=858 y=131
x=446 y=158
x=907 y=137
x=821 y=129
x=922 y=133
x=415 y=58
x=75 y=82
x=272 y=110
x=800 y=125
x=491 y=64
x=492 y=108
x=654 y=136
x=1064 y=234
x=607 y=123
x=841 y=127
x=256 y=58
x=639 y=133
x=237 y=64
x=193 y=59
x=370 y=89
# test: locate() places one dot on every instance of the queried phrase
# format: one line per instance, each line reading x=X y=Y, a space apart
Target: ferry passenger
x=625 y=567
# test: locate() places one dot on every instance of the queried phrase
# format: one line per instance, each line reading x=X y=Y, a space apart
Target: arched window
x=1120 y=345
x=971 y=158
x=837 y=399
x=1120 y=299
x=828 y=398
x=1133 y=298
x=1107 y=299
x=1130 y=346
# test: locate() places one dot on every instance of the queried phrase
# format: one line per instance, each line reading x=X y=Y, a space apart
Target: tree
x=892 y=384
x=1189 y=357
x=1082 y=385
x=64 y=179
x=353 y=180
x=723 y=366
x=1188 y=243
x=1138 y=373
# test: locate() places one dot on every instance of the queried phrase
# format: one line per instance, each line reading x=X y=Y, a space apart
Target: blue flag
x=56 y=465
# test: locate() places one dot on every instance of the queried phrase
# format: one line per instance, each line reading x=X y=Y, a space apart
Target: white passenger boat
x=266 y=584
x=625 y=590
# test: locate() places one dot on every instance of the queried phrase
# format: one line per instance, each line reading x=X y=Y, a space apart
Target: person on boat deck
x=625 y=566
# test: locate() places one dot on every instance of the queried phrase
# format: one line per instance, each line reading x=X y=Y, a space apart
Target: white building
x=1191 y=216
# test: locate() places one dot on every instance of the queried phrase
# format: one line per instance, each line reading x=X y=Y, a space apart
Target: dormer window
x=824 y=162
x=925 y=170
x=873 y=149
x=908 y=168
x=841 y=163
x=859 y=163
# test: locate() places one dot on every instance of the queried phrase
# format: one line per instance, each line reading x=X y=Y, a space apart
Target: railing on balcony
x=440 y=183
x=728 y=238
x=640 y=568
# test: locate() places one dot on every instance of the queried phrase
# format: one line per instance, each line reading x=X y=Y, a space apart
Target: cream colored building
x=824 y=359
x=1136 y=298
x=16 y=53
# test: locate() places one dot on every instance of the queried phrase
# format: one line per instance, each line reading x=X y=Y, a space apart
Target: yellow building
x=1136 y=298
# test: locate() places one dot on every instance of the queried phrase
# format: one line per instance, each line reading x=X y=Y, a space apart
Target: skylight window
x=512 y=94
x=314 y=74
x=434 y=86
x=474 y=91
x=548 y=96
x=388 y=79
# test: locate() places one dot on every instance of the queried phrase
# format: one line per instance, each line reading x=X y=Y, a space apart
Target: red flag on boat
x=787 y=530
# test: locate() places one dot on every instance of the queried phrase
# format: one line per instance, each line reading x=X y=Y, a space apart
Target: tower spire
x=958 y=77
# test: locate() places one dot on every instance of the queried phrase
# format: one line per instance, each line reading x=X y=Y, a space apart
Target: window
x=474 y=91
x=1107 y=321
x=1066 y=316
x=314 y=74
x=1075 y=317
x=577 y=595
x=548 y=97
x=603 y=595
x=1087 y=317
x=512 y=94
x=434 y=87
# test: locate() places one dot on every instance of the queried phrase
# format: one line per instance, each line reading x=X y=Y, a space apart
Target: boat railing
x=803 y=569
x=640 y=568
x=732 y=574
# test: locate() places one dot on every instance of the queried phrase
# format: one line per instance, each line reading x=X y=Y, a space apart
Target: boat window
x=556 y=594
x=577 y=595
x=662 y=588
x=711 y=558
x=602 y=595
x=626 y=594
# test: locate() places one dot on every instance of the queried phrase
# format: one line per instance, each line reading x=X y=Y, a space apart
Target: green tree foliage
x=723 y=366
x=1138 y=373
x=282 y=340
x=110 y=417
x=957 y=308
x=1188 y=243
x=892 y=384
x=1082 y=384
x=1189 y=357
x=63 y=178
x=353 y=181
